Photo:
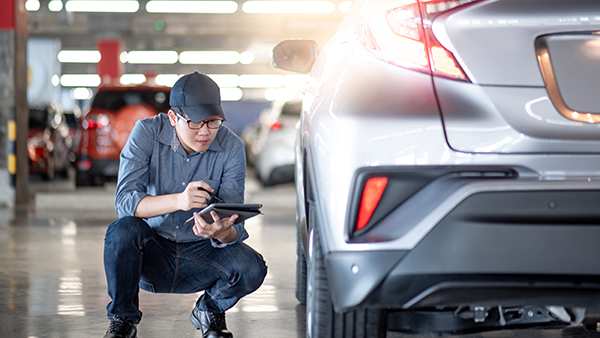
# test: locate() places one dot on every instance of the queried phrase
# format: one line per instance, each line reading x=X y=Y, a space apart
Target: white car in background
x=270 y=142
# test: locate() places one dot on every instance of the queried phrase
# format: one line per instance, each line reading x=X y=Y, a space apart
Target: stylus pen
x=215 y=197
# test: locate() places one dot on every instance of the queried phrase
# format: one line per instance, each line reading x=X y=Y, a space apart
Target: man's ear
x=172 y=117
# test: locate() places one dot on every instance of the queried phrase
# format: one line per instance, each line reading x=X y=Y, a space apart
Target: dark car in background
x=49 y=143
x=106 y=127
x=270 y=142
x=448 y=168
x=73 y=119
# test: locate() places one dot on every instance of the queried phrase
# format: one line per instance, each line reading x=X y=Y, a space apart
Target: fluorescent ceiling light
x=132 y=79
x=213 y=7
x=225 y=80
x=106 y=6
x=123 y=57
x=152 y=57
x=79 y=56
x=272 y=94
x=246 y=57
x=80 y=80
x=231 y=94
x=344 y=6
x=209 y=57
x=55 y=6
x=289 y=7
x=260 y=80
x=81 y=93
x=166 y=79
x=55 y=80
x=32 y=5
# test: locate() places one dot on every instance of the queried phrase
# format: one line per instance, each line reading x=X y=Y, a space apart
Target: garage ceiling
x=239 y=31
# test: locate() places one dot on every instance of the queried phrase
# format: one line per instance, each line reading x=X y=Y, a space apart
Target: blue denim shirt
x=153 y=162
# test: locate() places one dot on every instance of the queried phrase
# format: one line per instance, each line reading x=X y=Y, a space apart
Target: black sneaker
x=212 y=324
x=121 y=328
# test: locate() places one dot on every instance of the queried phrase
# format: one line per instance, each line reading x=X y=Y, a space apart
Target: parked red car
x=49 y=144
x=106 y=127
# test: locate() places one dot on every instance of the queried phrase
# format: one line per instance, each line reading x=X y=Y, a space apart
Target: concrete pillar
x=14 y=110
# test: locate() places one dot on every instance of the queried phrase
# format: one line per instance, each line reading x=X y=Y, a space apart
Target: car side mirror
x=295 y=55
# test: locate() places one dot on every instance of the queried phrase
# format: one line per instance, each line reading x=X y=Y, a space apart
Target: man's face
x=192 y=140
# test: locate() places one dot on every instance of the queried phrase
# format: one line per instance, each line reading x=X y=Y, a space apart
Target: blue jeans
x=136 y=257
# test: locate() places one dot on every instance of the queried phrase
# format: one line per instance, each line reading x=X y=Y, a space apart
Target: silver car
x=448 y=167
x=270 y=142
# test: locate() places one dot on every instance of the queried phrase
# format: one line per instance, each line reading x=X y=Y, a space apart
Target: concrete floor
x=52 y=282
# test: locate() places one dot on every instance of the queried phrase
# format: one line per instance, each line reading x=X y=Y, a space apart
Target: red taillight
x=88 y=124
x=370 y=198
x=275 y=125
x=95 y=121
x=401 y=34
x=84 y=165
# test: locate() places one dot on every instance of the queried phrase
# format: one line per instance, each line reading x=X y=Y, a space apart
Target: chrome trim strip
x=545 y=62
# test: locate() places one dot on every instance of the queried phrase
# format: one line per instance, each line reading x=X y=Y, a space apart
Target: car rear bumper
x=521 y=243
x=104 y=167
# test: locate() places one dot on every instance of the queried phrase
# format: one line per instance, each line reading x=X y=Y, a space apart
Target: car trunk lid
x=534 y=68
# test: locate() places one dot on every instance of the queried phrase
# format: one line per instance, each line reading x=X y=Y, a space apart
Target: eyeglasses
x=211 y=124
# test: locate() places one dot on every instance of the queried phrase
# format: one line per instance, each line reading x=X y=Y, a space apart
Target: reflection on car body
x=49 y=143
x=106 y=127
x=447 y=168
x=270 y=142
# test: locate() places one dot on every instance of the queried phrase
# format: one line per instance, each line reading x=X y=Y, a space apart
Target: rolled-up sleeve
x=134 y=169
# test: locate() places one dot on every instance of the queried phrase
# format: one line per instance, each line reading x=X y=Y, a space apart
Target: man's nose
x=203 y=130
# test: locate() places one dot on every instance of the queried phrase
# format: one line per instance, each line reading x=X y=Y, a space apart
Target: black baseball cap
x=198 y=96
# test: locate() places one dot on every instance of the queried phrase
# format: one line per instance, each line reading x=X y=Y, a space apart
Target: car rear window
x=38 y=118
x=117 y=99
x=71 y=120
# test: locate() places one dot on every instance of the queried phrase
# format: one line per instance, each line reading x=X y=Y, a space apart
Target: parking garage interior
x=52 y=281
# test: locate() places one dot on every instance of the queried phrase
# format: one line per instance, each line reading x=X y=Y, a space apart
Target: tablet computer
x=224 y=210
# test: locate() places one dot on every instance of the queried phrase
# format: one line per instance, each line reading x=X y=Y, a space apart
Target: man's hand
x=193 y=197
x=221 y=229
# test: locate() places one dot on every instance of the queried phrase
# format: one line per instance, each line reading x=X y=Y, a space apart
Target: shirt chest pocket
x=213 y=184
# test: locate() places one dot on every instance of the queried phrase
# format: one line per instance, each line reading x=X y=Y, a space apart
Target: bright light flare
x=80 y=80
x=166 y=79
x=288 y=7
x=79 y=56
x=225 y=80
x=152 y=57
x=344 y=6
x=260 y=80
x=103 y=6
x=81 y=93
x=32 y=5
x=246 y=57
x=127 y=79
x=212 y=7
x=209 y=57
x=231 y=94
x=55 y=6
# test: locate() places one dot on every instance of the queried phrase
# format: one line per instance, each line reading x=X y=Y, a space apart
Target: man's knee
x=255 y=271
x=126 y=228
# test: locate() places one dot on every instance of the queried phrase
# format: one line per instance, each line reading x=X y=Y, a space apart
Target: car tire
x=300 y=270
x=321 y=319
x=83 y=179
